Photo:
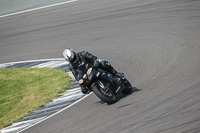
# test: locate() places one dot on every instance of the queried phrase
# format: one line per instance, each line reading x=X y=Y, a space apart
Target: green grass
x=23 y=90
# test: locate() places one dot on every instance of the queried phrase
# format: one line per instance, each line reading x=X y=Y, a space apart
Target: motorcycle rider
x=76 y=59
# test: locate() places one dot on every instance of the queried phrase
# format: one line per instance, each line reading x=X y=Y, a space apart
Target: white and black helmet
x=69 y=54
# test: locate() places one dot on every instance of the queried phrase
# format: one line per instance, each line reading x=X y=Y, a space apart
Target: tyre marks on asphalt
x=66 y=99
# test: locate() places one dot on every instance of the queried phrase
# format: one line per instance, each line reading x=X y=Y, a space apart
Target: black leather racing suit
x=85 y=58
x=81 y=57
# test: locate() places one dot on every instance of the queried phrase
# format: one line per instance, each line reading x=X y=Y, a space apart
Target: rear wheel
x=105 y=94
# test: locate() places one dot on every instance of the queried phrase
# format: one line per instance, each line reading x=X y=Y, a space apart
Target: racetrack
x=156 y=43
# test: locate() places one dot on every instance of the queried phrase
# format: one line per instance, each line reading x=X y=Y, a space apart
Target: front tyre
x=105 y=94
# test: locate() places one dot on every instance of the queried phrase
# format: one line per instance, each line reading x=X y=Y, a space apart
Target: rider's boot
x=120 y=76
x=113 y=71
x=117 y=74
x=105 y=64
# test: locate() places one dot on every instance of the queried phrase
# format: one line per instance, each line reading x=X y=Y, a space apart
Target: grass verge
x=23 y=90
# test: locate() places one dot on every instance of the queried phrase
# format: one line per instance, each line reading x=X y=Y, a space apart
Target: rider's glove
x=96 y=63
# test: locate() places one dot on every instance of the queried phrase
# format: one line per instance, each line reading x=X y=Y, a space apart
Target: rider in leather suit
x=76 y=59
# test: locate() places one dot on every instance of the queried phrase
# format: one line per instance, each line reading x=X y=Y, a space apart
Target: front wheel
x=105 y=94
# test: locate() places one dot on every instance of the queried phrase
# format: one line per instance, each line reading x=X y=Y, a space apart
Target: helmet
x=69 y=54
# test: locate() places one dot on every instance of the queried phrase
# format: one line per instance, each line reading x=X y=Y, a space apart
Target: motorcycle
x=102 y=83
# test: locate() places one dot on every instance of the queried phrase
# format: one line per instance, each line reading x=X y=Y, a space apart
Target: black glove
x=96 y=63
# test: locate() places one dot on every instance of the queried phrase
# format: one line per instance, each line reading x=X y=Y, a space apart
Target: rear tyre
x=107 y=96
x=128 y=87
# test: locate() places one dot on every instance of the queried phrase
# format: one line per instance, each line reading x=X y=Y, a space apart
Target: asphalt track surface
x=156 y=43
x=8 y=8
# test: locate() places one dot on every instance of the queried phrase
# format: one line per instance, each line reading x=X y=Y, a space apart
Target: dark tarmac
x=156 y=43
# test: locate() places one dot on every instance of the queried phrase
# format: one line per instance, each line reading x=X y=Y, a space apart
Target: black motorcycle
x=102 y=83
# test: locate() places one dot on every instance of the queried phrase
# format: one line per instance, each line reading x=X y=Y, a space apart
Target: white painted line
x=56 y=112
x=67 y=97
x=47 y=64
x=51 y=64
x=59 y=64
x=74 y=89
x=28 y=121
x=13 y=129
x=11 y=14
x=70 y=93
x=56 y=59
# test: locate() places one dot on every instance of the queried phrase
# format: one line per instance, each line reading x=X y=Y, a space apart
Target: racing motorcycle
x=102 y=83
